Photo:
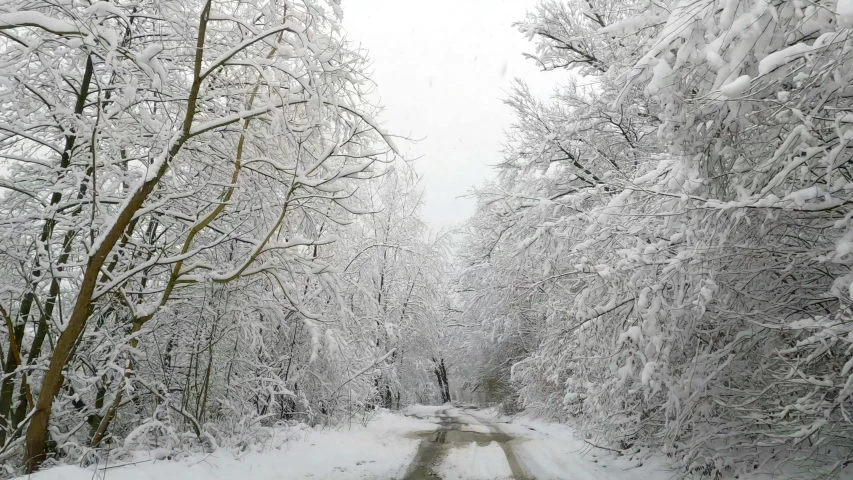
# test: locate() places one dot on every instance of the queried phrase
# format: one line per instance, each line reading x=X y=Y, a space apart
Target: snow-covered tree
x=666 y=251
x=173 y=176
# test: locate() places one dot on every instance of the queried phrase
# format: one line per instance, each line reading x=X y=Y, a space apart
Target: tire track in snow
x=518 y=472
x=459 y=430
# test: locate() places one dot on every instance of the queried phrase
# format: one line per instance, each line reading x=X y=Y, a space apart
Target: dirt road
x=476 y=448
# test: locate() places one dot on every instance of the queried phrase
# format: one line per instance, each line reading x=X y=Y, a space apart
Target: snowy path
x=428 y=443
x=464 y=447
x=471 y=445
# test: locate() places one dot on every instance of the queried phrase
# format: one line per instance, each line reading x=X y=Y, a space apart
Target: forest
x=207 y=234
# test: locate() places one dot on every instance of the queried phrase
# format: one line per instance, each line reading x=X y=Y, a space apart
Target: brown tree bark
x=8 y=385
x=37 y=433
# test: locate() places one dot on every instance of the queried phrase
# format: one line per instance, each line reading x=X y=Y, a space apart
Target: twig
x=603 y=448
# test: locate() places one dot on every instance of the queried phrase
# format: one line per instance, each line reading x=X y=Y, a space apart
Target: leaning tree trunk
x=37 y=433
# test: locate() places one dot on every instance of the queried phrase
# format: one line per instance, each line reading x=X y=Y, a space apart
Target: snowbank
x=552 y=451
x=380 y=450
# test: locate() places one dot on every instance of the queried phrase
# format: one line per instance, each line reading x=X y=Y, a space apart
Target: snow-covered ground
x=425 y=443
x=381 y=450
x=540 y=451
x=553 y=451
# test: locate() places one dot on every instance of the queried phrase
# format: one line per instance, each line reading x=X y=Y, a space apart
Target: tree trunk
x=8 y=387
x=13 y=356
x=446 y=392
x=37 y=433
x=441 y=376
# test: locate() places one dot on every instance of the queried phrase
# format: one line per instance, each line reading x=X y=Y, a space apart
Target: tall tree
x=155 y=153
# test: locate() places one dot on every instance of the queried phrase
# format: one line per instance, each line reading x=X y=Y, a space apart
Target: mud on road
x=458 y=430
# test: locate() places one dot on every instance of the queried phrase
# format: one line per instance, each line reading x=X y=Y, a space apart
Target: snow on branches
x=667 y=253
x=177 y=179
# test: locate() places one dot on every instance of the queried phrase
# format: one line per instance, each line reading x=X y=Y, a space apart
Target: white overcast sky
x=442 y=68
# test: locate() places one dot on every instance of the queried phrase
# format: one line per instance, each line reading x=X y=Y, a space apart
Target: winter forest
x=210 y=240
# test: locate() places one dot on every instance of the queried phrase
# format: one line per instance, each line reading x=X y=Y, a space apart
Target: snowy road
x=471 y=445
x=427 y=443
x=463 y=447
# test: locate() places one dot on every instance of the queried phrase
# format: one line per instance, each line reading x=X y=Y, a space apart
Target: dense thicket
x=665 y=257
x=201 y=232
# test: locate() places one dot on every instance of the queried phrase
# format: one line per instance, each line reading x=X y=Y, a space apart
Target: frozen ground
x=426 y=443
